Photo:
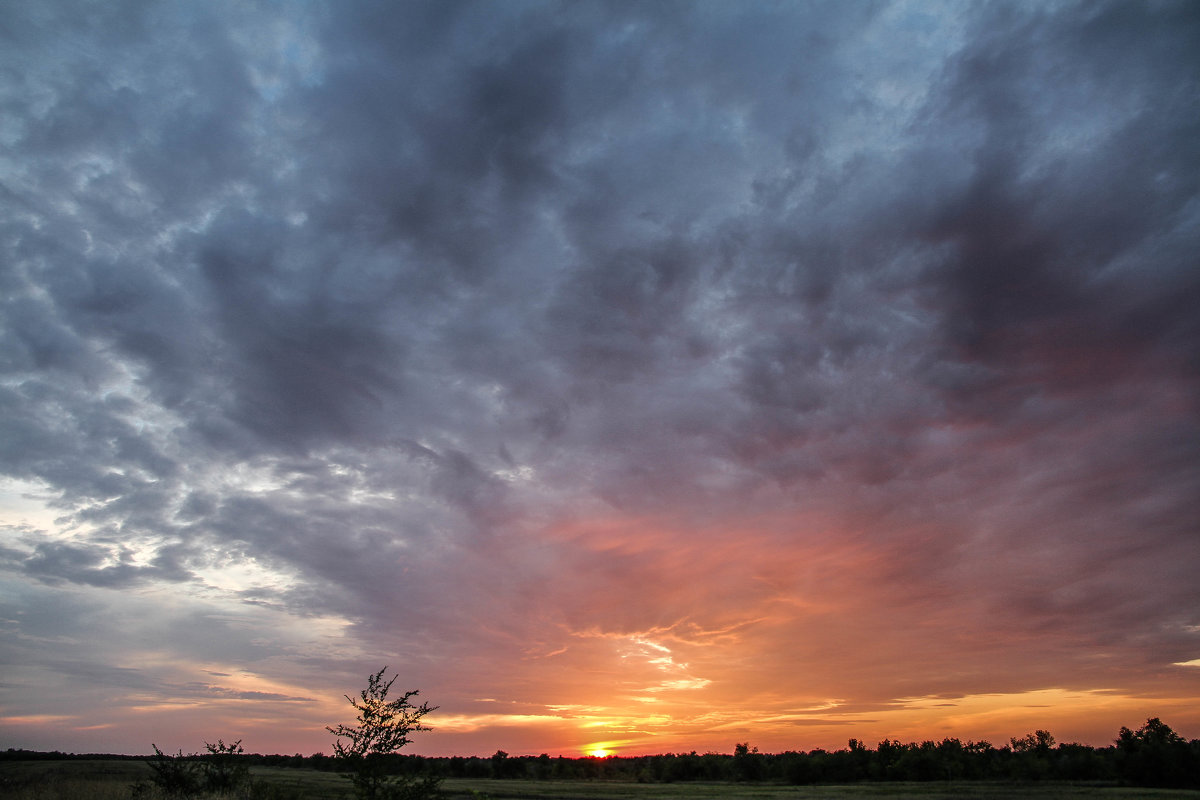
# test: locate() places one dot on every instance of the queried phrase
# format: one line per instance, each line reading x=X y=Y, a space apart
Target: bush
x=222 y=772
x=175 y=776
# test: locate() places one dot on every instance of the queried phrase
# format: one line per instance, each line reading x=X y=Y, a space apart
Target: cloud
x=844 y=351
x=95 y=566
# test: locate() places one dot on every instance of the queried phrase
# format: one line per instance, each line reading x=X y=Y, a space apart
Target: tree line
x=1154 y=755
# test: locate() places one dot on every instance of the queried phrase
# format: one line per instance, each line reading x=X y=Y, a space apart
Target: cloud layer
x=657 y=375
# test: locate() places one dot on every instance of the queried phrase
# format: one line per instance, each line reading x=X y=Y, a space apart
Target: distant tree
x=1031 y=756
x=860 y=758
x=1155 y=755
x=1039 y=741
x=747 y=763
x=382 y=728
x=919 y=762
x=1080 y=762
x=887 y=757
x=505 y=767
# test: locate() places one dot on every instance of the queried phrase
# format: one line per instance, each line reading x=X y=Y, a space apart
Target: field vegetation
x=89 y=779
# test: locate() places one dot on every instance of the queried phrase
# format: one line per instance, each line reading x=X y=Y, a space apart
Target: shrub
x=175 y=776
x=181 y=777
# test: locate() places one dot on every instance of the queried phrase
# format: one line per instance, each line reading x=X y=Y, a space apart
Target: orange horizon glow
x=804 y=648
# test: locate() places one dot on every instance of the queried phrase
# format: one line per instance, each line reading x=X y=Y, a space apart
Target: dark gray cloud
x=505 y=328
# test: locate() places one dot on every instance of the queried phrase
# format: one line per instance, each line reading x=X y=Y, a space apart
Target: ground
x=112 y=780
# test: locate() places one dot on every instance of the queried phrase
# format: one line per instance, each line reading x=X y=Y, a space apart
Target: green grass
x=112 y=780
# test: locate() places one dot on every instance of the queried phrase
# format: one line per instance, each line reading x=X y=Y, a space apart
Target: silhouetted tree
x=887 y=757
x=1032 y=755
x=505 y=767
x=747 y=764
x=1037 y=742
x=382 y=729
x=1155 y=755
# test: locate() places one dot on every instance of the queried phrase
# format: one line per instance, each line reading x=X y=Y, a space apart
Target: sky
x=650 y=376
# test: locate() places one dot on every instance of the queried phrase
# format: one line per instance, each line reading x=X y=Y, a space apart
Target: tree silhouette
x=1155 y=755
x=382 y=729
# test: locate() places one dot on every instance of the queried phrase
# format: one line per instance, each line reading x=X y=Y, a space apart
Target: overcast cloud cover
x=656 y=374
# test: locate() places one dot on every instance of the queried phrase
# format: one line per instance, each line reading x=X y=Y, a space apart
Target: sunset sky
x=642 y=376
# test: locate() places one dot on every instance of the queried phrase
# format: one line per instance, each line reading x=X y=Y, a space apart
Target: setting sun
x=599 y=752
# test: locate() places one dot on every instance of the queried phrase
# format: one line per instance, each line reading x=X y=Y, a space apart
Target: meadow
x=116 y=779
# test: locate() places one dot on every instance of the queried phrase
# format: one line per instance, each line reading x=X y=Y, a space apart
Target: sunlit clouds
x=626 y=378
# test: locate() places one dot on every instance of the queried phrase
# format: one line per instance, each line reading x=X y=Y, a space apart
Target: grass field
x=112 y=780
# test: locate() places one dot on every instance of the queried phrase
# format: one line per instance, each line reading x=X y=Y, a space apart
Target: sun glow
x=599 y=752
